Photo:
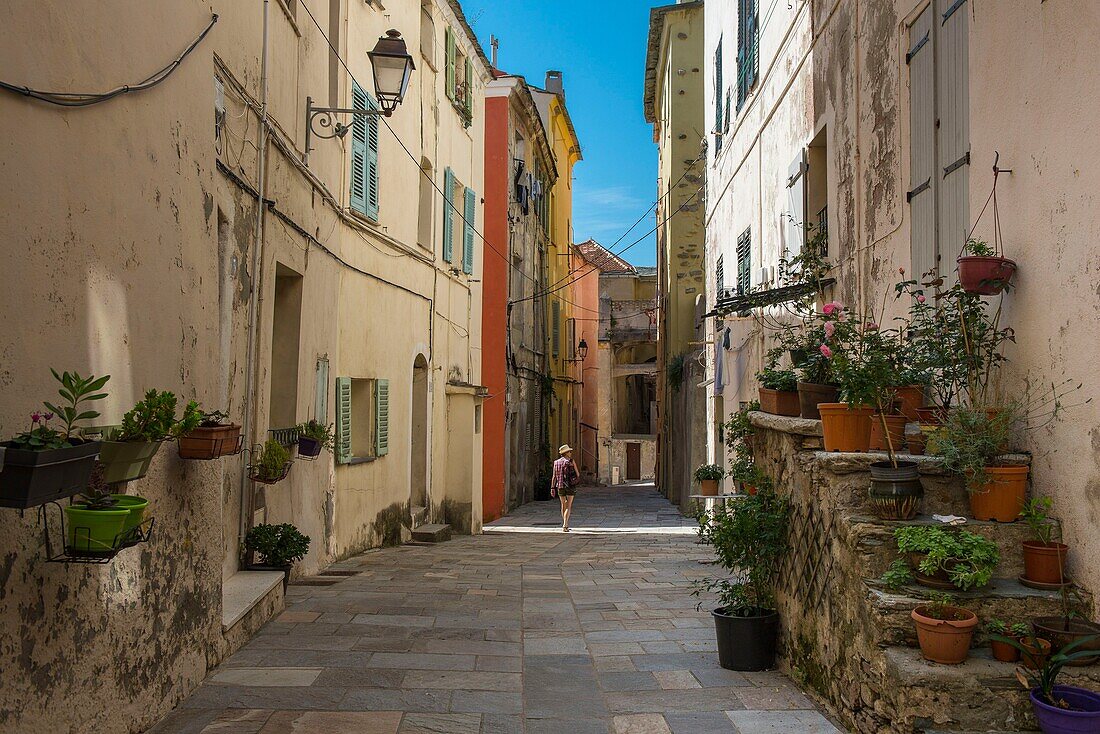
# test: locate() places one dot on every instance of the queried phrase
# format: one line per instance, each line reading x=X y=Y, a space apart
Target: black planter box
x=308 y=446
x=32 y=478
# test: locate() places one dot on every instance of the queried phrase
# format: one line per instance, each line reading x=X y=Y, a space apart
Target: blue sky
x=600 y=47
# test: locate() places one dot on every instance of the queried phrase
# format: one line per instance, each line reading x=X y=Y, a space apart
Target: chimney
x=554 y=83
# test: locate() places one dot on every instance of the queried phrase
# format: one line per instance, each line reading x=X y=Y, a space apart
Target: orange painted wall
x=494 y=315
x=586 y=296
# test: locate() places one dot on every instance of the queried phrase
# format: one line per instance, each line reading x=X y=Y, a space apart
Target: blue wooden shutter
x=448 y=215
x=468 y=96
x=468 y=232
x=358 y=151
x=343 y=420
x=718 y=126
x=451 y=64
x=381 y=417
x=371 y=172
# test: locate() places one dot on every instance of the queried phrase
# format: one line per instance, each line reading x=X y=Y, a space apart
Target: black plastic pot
x=895 y=493
x=746 y=643
x=811 y=394
x=308 y=446
x=32 y=478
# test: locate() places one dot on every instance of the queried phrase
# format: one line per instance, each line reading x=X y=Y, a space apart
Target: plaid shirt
x=557 y=481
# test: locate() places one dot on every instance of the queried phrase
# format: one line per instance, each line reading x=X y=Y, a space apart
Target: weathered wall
x=110 y=268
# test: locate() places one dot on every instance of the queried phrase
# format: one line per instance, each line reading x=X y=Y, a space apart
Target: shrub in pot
x=970 y=442
x=984 y=271
x=271 y=465
x=708 y=476
x=1059 y=709
x=279 y=547
x=44 y=463
x=778 y=391
x=749 y=538
x=128 y=450
x=314 y=436
x=942 y=558
x=215 y=436
x=1044 y=559
x=944 y=631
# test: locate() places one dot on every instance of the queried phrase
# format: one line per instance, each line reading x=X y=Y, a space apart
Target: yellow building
x=564 y=409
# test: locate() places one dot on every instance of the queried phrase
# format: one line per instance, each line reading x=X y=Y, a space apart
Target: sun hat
x=564 y=449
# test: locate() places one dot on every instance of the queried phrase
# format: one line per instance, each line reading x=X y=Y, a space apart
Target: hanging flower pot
x=944 y=632
x=94 y=532
x=214 y=438
x=308 y=446
x=811 y=394
x=985 y=276
x=846 y=428
x=896 y=428
x=895 y=492
x=31 y=478
x=1002 y=497
x=126 y=461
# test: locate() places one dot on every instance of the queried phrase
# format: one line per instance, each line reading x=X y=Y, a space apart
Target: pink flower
x=830 y=329
x=921 y=299
x=36 y=417
x=872 y=326
x=828 y=353
x=829 y=309
x=48 y=416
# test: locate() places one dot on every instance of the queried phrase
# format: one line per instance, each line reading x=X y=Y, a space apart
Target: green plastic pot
x=135 y=506
x=125 y=461
x=94 y=532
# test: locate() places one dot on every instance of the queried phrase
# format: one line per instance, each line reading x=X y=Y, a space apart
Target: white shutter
x=796 y=205
x=952 y=134
x=922 y=119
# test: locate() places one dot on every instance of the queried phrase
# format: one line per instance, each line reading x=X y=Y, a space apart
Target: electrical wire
x=86 y=99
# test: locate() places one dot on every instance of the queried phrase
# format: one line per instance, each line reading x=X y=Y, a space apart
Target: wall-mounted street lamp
x=392 y=66
x=582 y=351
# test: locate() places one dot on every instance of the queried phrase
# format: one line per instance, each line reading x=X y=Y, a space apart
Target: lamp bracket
x=327 y=126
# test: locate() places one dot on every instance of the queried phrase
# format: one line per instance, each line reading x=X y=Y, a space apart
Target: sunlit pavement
x=523 y=629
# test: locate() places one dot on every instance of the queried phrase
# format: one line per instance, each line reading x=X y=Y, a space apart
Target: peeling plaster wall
x=111 y=240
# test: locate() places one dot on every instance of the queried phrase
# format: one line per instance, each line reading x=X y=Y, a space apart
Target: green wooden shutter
x=448 y=215
x=371 y=173
x=359 y=151
x=468 y=232
x=381 y=417
x=450 y=64
x=343 y=420
x=469 y=94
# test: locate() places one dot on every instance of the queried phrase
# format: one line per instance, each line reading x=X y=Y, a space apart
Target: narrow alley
x=523 y=629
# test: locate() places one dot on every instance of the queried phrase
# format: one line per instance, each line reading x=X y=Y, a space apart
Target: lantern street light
x=392 y=66
x=582 y=351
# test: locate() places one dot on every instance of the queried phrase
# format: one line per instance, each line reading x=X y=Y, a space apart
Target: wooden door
x=633 y=461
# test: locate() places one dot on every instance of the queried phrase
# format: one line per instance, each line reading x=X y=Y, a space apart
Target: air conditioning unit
x=767 y=273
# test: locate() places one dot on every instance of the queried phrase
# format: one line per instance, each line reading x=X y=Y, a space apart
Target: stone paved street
x=524 y=629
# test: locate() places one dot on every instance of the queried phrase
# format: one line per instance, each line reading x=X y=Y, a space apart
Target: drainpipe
x=257 y=261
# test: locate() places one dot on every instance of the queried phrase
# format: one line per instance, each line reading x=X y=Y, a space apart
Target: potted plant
x=314 y=436
x=96 y=526
x=997 y=628
x=942 y=559
x=1069 y=627
x=272 y=465
x=816 y=384
x=128 y=450
x=944 y=631
x=749 y=538
x=778 y=391
x=1060 y=709
x=44 y=464
x=279 y=547
x=982 y=270
x=215 y=436
x=970 y=442
x=1044 y=559
x=708 y=476
x=850 y=345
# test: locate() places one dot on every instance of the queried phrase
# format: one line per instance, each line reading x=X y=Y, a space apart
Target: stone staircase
x=431 y=533
x=851 y=639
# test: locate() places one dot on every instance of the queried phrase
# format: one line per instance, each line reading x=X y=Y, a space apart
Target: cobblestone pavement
x=523 y=629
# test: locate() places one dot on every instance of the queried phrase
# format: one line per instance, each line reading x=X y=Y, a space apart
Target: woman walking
x=564 y=483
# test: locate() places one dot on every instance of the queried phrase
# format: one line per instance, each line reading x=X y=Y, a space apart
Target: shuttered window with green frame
x=381 y=417
x=353 y=396
x=448 y=214
x=343 y=420
x=468 y=232
x=451 y=70
x=364 y=155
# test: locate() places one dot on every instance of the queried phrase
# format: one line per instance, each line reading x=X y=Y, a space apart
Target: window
x=718 y=121
x=427 y=33
x=364 y=155
x=744 y=262
x=748 y=49
x=427 y=205
x=460 y=78
x=796 y=206
x=285 y=338
x=555 y=327
x=817 y=191
x=320 y=403
x=461 y=205
x=939 y=142
x=362 y=419
x=720 y=276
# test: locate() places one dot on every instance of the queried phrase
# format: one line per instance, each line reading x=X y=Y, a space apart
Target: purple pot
x=1083 y=716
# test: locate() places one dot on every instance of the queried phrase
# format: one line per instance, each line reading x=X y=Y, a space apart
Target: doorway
x=633 y=462
x=418 y=479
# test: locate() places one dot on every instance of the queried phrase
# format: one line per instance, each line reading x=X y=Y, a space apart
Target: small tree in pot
x=750 y=539
x=279 y=547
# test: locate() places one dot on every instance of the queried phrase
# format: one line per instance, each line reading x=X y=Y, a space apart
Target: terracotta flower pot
x=810 y=395
x=938 y=580
x=931 y=416
x=1002 y=498
x=986 y=276
x=915 y=443
x=910 y=400
x=1004 y=652
x=945 y=640
x=1036 y=651
x=846 y=428
x=1045 y=563
x=896 y=426
x=780 y=402
x=708 y=487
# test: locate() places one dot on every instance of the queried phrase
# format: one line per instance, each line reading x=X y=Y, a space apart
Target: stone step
x=979 y=695
x=873 y=541
x=432 y=533
x=1005 y=599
